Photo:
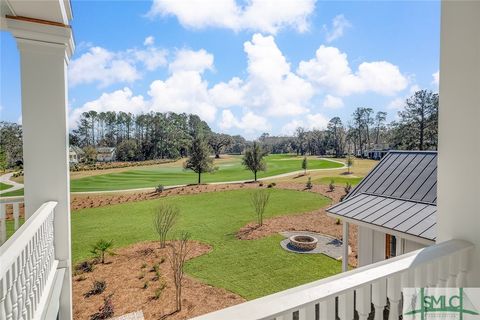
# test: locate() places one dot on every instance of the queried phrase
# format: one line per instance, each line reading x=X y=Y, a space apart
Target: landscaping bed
x=126 y=275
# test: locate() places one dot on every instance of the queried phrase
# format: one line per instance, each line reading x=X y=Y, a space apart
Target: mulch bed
x=122 y=274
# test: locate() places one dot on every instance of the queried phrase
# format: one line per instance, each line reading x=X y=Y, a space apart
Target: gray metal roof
x=399 y=194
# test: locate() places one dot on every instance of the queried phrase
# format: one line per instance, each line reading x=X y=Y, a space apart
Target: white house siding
x=371 y=246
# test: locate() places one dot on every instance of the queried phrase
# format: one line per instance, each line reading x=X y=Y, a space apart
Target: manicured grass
x=339 y=181
x=231 y=170
x=18 y=192
x=251 y=268
x=4 y=186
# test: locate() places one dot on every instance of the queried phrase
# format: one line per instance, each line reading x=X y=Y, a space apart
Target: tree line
x=170 y=135
x=416 y=128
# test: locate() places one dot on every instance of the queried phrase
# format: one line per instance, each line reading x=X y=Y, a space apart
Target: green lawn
x=4 y=186
x=251 y=268
x=227 y=170
x=339 y=181
x=231 y=170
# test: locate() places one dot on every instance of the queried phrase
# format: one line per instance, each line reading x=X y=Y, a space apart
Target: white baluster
x=346 y=306
x=327 y=309
x=3 y=224
x=287 y=316
x=307 y=312
x=420 y=278
x=453 y=271
x=20 y=284
x=363 y=302
x=432 y=273
x=394 y=294
x=16 y=215
x=443 y=265
x=463 y=268
x=3 y=295
x=8 y=298
x=14 y=292
x=379 y=297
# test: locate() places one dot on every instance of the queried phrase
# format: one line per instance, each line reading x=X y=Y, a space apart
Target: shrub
x=97 y=288
x=141 y=275
x=162 y=260
x=331 y=186
x=271 y=185
x=178 y=256
x=105 y=311
x=159 y=188
x=309 y=183
x=337 y=222
x=84 y=266
x=101 y=248
x=81 y=278
x=145 y=284
x=260 y=184
x=259 y=202
x=144 y=265
x=158 y=292
x=348 y=188
x=164 y=219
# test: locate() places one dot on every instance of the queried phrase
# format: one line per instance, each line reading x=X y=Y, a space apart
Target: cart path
x=283 y=175
x=6 y=179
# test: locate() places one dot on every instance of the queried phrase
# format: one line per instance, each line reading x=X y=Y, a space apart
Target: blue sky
x=246 y=67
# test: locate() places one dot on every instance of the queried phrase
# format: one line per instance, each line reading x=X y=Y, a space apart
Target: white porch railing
x=370 y=291
x=4 y=206
x=28 y=269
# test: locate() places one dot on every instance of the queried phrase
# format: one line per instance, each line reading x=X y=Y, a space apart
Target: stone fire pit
x=303 y=242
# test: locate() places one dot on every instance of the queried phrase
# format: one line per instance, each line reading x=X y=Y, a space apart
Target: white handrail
x=28 y=267
x=372 y=278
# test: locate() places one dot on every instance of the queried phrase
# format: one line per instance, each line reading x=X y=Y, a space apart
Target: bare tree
x=164 y=219
x=178 y=256
x=259 y=201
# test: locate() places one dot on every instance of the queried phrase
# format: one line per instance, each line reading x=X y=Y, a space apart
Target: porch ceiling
x=50 y=10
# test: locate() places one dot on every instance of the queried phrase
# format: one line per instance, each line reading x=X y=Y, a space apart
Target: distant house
x=377 y=152
x=75 y=154
x=394 y=206
x=105 y=154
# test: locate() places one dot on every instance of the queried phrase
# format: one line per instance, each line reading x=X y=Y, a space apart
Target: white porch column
x=459 y=128
x=44 y=53
x=345 y=241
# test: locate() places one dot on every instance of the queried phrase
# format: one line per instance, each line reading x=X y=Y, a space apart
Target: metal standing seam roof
x=399 y=194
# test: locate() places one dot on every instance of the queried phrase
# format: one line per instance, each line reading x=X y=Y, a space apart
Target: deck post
x=345 y=240
x=459 y=132
x=45 y=50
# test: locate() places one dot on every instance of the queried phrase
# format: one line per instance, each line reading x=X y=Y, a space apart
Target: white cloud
x=436 y=78
x=332 y=102
x=228 y=94
x=330 y=71
x=119 y=100
x=185 y=90
x=249 y=122
x=103 y=66
x=152 y=58
x=396 y=104
x=189 y=60
x=270 y=83
x=267 y=16
x=339 y=24
x=149 y=41
x=310 y=122
x=99 y=65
